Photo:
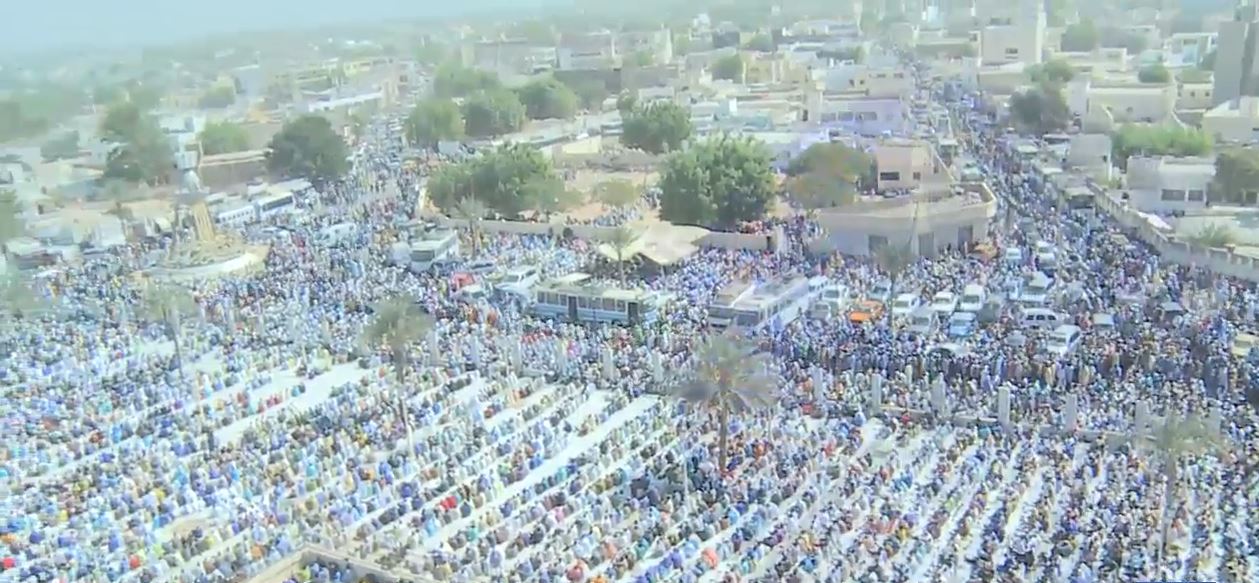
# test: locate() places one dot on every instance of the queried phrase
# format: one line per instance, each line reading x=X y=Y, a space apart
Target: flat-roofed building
x=927 y=223
x=1234 y=121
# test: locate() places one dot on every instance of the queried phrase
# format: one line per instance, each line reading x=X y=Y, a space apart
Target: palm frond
x=397 y=323
x=729 y=371
x=167 y=303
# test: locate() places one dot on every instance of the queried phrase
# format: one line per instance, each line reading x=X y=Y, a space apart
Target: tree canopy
x=143 y=154
x=828 y=174
x=308 y=147
x=1054 y=71
x=1041 y=109
x=502 y=179
x=434 y=120
x=1080 y=37
x=761 y=42
x=617 y=193
x=451 y=80
x=1156 y=73
x=548 y=98
x=657 y=128
x=1157 y=140
x=1236 y=173
x=218 y=97
x=590 y=92
x=719 y=182
x=492 y=113
x=223 y=138
x=729 y=67
x=60 y=147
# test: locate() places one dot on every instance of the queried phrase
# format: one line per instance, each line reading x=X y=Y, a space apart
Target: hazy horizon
x=62 y=24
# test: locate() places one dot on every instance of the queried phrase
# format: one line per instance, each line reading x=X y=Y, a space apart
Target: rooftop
x=1247 y=106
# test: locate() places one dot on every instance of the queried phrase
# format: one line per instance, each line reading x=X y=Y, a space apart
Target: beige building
x=1125 y=102
x=927 y=223
x=908 y=165
x=1166 y=184
x=1235 y=121
x=1194 y=96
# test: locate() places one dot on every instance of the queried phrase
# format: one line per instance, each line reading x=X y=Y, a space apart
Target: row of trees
x=1157 y=140
x=508 y=181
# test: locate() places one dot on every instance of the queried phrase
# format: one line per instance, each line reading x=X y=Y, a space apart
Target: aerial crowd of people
x=279 y=430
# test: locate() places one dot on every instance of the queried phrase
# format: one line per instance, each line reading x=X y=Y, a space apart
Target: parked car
x=962 y=324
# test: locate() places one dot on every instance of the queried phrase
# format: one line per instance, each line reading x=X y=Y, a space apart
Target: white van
x=519 y=280
x=905 y=304
x=1036 y=292
x=922 y=322
x=337 y=234
x=1063 y=340
x=973 y=298
x=1041 y=318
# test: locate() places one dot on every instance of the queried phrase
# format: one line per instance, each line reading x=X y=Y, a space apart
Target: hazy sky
x=41 y=24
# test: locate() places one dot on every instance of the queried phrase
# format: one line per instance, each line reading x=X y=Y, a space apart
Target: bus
x=435 y=248
x=575 y=298
x=751 y=306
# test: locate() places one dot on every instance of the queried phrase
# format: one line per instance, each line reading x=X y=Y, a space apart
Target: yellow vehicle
x=866 y=311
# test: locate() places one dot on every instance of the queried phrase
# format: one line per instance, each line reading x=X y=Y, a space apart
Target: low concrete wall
x=1174 y=250
x=289 y=567
x=720 y=239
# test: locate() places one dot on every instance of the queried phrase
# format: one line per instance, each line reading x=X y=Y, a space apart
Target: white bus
x=575 y=298
x=437 y=247
x=751 y=306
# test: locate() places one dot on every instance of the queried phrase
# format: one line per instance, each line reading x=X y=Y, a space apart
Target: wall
x=1170 y=249
x=848 y=230
x=718 y=239
x=1194 y=96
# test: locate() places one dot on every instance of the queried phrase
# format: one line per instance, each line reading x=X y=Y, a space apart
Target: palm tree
x=169 y=304
x=398 y=324
x=894 y=259
x=1171 y=443
x=17 y=298
x=471 y=209
x=730 y=376
x=622 y=240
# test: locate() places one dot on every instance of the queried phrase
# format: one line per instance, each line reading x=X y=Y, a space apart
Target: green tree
x=547 y=195
x=170 y=305
x=730 y=377
x=1156 y=73
x=61 y=147
x=617 y=193
x=656 y=128
x=1236 y=173
x=223 y=138
x=308 y=147
x=1054 y=71
x=819 y=190
x=850 y=165
x=144 y=157
x=1157 y=140
x=434 y=120
x=548 y=98
x=1115 y=38
x=398 y=324
x=451 y=80
x=720 y=182
x=622 y=240
x=123 y=121
x=639 y=59
x=626 y=103
x=730 y=67
x=681 y=43
x=498 y=178
x=590 y=92
x=1041 y=109
x=761 y=42
x=218 y=97
x=493 y=113
x=1173 y=442
x=1080 y=37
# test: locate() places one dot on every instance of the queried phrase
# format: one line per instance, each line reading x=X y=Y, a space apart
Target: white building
x=1235 y=121
x=1020 y=41
x=1164 y=184
x=1126 y=103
